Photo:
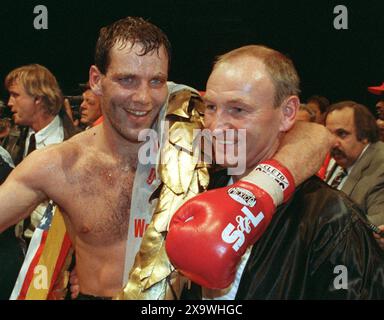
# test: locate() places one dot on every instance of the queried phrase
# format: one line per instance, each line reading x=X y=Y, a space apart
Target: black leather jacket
x=309 y=238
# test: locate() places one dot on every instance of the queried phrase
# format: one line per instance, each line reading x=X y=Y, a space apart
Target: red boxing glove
x=209 y=233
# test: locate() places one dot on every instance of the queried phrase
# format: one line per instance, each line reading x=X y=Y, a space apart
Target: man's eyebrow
x=238 y=100
x=160 y=74
x=123 y=74
x=130 y=74
x=205 y=99
x=232 y=101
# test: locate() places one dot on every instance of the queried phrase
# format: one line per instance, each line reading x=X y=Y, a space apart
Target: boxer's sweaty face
x=134 y=89
x=240 y=95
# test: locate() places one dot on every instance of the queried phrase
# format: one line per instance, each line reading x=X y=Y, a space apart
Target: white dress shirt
x=51 y=134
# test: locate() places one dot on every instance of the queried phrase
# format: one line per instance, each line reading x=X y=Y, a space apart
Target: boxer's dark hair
x=132 y=30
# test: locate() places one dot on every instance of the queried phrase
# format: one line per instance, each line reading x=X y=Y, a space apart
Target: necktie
x=20 y=145
x=339 y=177
x=32 y=144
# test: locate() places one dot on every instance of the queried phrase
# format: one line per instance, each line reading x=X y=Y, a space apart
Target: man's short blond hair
x=38 y=81
x=279 y=67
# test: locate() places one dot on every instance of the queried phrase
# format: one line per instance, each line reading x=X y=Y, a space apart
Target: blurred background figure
x=11 y=251
x=36 y=102
x=9 y=133
x=357 y=167
x=5 y=129
x=379 y=90
x=90 y=109
x=305 y=114
x=319 y=105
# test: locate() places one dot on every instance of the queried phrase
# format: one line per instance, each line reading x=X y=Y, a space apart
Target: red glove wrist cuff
x=280 y=174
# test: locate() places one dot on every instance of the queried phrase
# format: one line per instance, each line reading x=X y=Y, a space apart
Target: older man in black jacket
x=318 y=245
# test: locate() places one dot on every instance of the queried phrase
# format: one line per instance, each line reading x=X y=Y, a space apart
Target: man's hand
x=379 y=239
x=303 y=149
x=74 y=284
x=68 y=109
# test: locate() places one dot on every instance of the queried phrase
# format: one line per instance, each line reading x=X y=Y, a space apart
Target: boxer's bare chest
x=99 y=199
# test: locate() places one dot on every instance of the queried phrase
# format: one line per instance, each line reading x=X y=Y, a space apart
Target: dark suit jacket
x=11 y=253
x=11 y=249
x=17 y=149
x=365 y=183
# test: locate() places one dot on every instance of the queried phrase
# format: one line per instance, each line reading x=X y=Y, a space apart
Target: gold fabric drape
x=183 y=175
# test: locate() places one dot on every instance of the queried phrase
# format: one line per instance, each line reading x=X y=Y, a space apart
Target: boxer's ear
x=288 y=112
x=95 y=80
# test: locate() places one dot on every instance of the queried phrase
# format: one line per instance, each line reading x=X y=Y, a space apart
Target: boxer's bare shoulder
x=91 y=186
x=47 y=167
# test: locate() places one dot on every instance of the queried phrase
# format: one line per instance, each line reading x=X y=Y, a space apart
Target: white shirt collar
x=51 y=134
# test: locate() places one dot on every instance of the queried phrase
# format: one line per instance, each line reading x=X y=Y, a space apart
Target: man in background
x=35 y=100
x=305 y=114
x=90 y=109
x=358 y=166
x=318 y=104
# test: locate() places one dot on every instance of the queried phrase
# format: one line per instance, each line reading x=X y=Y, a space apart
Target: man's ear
x=288 y=110
x=38 y=100
x=95 y=80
